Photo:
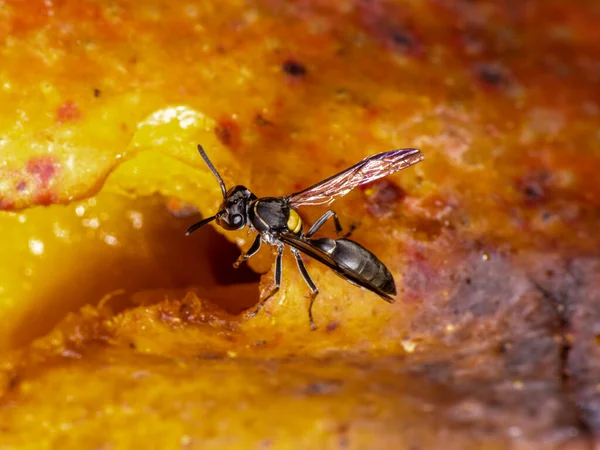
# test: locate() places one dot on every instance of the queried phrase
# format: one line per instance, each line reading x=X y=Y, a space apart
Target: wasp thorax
x=232 y=214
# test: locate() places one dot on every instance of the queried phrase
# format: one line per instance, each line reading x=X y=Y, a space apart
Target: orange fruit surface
x=117 y=331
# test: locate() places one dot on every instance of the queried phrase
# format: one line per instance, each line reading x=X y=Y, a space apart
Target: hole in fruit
x=64 y=257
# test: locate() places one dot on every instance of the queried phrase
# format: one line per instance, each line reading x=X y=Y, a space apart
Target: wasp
x=277 y=223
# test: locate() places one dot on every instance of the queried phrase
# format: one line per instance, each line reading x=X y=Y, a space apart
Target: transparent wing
x=367 y=170
x=316 y=253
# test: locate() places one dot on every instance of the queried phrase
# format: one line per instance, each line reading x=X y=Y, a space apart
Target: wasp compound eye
x=231 y=221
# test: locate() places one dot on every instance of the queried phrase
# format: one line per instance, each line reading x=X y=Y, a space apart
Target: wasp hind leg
x=254 y=248
x=278 y=273
x=313 y=289
x=336 y=221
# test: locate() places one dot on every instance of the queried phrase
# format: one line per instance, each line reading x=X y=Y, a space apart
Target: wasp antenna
x=197 y=225
x=213 y=170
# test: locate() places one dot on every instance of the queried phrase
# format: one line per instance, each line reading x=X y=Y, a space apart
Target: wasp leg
x=338 y=226
x=277 y=282
x=313 y=289
x=250 y=253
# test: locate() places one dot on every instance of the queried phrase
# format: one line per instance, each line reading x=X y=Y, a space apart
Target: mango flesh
x=117 y=330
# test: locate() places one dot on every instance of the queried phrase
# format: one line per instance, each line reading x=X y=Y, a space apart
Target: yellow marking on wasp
x=294 y=222
x=265 y=224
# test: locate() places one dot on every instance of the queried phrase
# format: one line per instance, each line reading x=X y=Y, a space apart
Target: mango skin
x=119 y=331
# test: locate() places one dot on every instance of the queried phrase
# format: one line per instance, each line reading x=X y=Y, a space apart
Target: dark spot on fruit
x=490 y=74
x=97 y=92
x=534 y=187
x=293 y=68
x=209 y=356
x=68 y=112
x=403 y=39
x=228 y=132
x=323 y=387
x=383 y=198
x=261 y=121
x=533 y=191
x=132 y=345
x=13 y=382
x=406 y=42
x=21 y=186
x=468 y=281
x=332 y=326
x=503 y=348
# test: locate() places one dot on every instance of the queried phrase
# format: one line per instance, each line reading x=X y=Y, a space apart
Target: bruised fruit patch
x=32 y=183
x=383 y=198
x=43 y=170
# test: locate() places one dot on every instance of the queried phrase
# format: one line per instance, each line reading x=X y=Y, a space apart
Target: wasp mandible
x=277 y=223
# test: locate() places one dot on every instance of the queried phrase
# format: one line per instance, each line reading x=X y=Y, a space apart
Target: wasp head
x=232 y=213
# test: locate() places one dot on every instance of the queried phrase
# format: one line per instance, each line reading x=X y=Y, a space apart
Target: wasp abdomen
x=355 y=257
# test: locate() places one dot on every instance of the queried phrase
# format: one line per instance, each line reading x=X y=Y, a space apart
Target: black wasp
x=277 y=223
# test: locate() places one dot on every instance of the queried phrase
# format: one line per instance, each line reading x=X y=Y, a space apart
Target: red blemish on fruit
x=43 y=170
x=44 y=198
x=21 y=186
x=372 y=112
x=228 y=132
x=68 y=112
x=6 y=204
x=420 y=275
x=332 y=326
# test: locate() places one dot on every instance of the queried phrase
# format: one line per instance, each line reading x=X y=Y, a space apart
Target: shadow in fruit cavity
x=114 y=260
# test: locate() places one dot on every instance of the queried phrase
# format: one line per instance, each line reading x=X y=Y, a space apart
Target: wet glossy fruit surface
x=116 y=329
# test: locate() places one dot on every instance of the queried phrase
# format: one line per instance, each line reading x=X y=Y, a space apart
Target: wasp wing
x=369 y=169
x=339 y=269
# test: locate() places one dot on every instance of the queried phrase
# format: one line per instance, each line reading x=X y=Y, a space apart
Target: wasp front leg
x=254 y=248
x=278 y=275
x=336 y=221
